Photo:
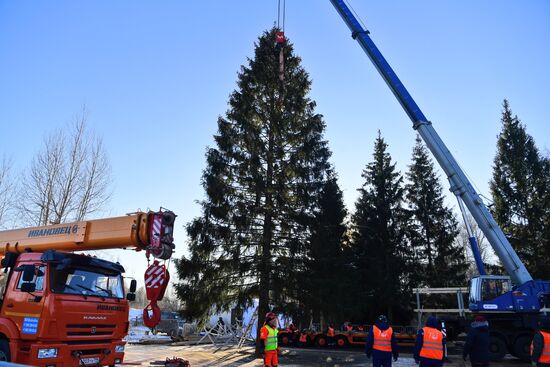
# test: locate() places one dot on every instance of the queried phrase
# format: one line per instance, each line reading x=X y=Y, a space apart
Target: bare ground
x=209 y=356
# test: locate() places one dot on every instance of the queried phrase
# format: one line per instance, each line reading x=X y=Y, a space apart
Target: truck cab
x=63 y=309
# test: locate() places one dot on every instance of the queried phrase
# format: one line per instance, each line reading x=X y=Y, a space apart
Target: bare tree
x=6 y=189
x=69 y=179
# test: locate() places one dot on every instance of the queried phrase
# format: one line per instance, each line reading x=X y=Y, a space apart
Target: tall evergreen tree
x=440 y=260
x=521 y=192
x=326 y=274
x=261 y=182
x=378 y=237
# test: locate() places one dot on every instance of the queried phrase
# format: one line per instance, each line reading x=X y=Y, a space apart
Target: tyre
x=522 y=347
x=5 y=354
x=341 y=342
x=285 y=340
x=321 y=341
x=497 y=348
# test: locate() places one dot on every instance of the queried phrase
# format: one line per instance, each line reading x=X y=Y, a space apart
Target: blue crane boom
x=460 y=185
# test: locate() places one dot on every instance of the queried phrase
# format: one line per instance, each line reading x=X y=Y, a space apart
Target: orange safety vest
x=303 y=338
x=382 y=339
x=330 y=331
x=432 y=347
x=545 y=355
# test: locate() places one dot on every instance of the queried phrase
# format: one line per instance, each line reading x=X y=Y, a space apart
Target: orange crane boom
x=150 y=231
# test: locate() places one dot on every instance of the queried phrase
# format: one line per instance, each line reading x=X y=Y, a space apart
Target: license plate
x=93 y=360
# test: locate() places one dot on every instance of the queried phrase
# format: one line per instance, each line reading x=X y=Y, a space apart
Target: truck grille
x=90 y=329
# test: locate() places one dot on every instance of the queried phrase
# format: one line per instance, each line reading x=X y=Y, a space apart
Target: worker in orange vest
x=430 y=345
x=303 y=339
x=348 y=327
x=330 y=335
x=540 y=347
x=381 y=343
x=269 y=338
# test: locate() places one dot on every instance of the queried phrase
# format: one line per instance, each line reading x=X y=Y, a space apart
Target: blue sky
x=155 y=75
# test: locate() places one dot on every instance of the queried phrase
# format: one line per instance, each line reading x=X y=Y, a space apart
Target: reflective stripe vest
x=330 y=331
x=545 y=355
x=271 y=340
x=432 y=346
x=382 y=339
x=303 y=338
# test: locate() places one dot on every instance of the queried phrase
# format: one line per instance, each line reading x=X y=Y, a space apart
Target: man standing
x=381 y=343
x=540 y=347
x=430 y=345
x=268 y=338
x=477 y=343
x=330 y=335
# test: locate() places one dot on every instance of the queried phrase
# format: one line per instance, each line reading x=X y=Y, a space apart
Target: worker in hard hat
x=381 y=343
x=429 y=350
x=540 y=346
x=268 y=338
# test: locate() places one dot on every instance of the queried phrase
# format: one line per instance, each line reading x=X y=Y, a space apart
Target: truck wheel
x=341 y=342
x=522 y=347
x=321 y=341
x=497 y=348
x=5 y=351
x=285 y=341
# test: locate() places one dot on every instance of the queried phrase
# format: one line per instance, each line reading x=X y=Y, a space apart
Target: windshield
x=88 y=282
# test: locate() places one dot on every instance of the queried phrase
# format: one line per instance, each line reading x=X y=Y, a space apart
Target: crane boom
x=140 y=231
x=460 y=185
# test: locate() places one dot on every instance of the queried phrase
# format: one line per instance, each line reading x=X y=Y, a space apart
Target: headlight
x=47 y=353
x=119 y=349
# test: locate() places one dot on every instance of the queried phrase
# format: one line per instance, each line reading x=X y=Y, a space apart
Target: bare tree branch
x=6 y=189
x=69 y=178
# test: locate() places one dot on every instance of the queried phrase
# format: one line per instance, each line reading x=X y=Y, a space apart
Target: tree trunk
x=267 y=237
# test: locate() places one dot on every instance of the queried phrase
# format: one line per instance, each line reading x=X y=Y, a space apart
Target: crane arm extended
x=460 y=185
x=150 y=231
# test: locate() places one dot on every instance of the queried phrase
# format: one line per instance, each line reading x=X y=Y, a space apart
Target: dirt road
x=209 y=356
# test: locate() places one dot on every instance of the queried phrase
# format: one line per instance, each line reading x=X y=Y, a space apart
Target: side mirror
x=28 y=287
x=133 y=286
x=29 y=272
x=131 y=297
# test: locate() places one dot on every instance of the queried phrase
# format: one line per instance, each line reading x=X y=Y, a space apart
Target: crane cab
x=491 y=293
x=63 y=309
x=496 y=293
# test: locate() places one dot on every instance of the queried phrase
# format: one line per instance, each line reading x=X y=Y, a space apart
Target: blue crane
x=508 y=299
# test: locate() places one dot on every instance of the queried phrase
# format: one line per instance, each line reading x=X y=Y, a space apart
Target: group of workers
x=430 y=347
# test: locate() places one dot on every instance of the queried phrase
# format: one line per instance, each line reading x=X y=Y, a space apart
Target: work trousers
x=386 y=362
x=270 y=358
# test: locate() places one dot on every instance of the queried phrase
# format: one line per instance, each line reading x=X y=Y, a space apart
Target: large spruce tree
x=439 y=261
x=378 y=238
x=326 y=275
x=521 y=192
x=262 y=182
